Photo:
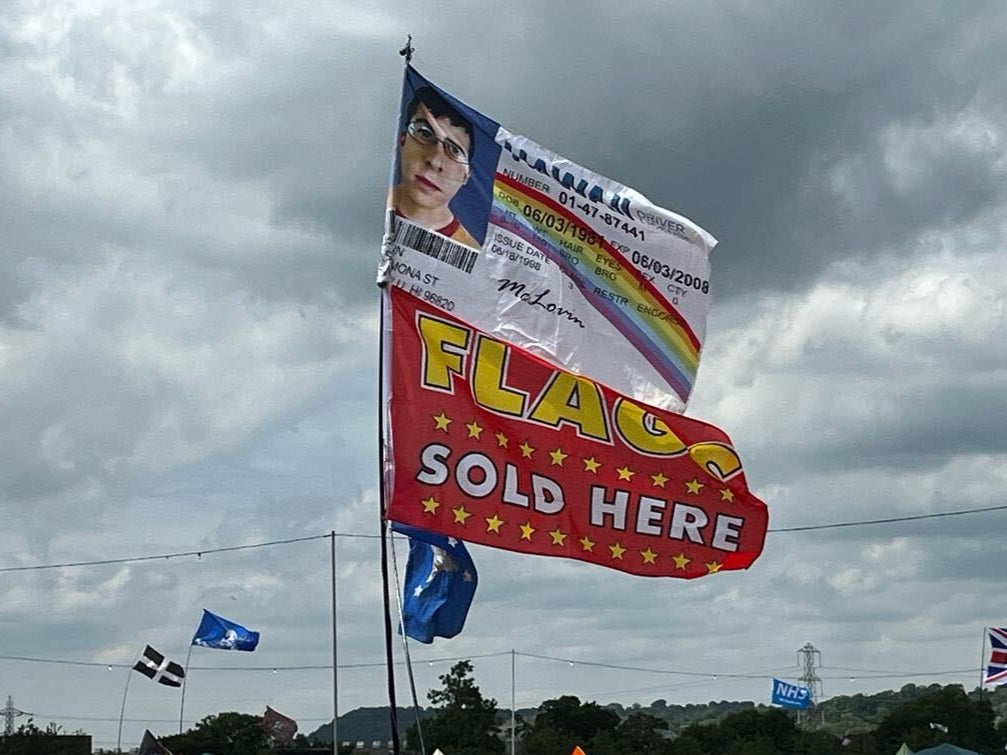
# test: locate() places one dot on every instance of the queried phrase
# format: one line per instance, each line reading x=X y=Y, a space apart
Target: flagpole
x=185 y=678
x=122 y=710
x=513 y=705
x=405 y=652
x=335 y=663
x=982 y=663
x=407 y=53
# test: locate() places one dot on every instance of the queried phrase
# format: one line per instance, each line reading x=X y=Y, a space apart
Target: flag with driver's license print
x=154 y=665
x=543 y=253
x=495 y=446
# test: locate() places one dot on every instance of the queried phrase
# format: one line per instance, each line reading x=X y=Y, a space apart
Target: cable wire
x=269 y=543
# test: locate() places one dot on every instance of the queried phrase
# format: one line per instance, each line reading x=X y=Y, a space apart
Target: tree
x=970 y=723
x=750 y=732
x=639 y=733
x=564 y=722
x=464 y=723
x=222 y=734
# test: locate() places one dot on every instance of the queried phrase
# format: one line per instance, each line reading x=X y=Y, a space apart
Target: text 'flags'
x=790 y=695
x=543 y=253
x=996 y=669
x=495 y=446
x=222 y=634
x=154 y=665
x=439 y=586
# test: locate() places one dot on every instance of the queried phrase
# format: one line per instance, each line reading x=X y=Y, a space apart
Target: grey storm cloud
x=192 y=201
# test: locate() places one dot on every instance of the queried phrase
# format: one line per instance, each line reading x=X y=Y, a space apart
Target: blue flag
x=217 y=632
x=439 y=586
x=790 y=695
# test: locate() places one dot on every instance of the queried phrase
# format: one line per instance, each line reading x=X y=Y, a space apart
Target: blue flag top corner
x=439 y=585
x=790 y=695
x=219 y=633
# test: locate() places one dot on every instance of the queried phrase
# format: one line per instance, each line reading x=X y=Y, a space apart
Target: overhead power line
x=199 y=553
x=762 y=674
x=889 y=520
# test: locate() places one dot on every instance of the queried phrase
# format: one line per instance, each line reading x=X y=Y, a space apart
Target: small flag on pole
x=278 y=726
x=150 y=746
x=439 y=586
x=219 y=633
x=154 y=665
x=996 y=670
x=790 y=695
x=939 y=727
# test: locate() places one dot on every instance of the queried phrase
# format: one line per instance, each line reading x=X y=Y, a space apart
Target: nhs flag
x=790 y=695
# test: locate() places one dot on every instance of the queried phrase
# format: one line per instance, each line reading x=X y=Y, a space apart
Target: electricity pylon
x=9 y=714
x=808 y=655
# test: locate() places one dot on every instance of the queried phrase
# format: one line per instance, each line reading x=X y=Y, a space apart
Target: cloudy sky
x=191 y=199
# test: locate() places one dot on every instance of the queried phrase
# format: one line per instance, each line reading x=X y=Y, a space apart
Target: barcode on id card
x=433 y=245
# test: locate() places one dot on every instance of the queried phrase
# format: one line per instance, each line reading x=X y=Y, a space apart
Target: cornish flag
x=154 y=665
x=996 y=670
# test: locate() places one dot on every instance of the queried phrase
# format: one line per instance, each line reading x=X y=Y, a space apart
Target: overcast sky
x=191 y=205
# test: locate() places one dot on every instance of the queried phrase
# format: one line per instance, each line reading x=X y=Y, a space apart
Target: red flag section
x=493 y=445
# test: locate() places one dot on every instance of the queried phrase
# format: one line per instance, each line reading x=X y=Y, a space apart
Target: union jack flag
x=996 y=670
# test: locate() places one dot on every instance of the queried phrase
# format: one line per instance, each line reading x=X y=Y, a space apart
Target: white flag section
x=543 y=253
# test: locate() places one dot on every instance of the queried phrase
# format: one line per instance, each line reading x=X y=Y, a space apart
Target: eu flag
x=217 y=632
x=440 y=584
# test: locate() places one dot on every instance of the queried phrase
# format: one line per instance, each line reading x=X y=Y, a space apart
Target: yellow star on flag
x=557 y=457
x=659 y=479
x=501 y=440
x=493 y=524
x=430 y=505
x=526 y=450
x=727 y=495
x=460 y=515
x=587 y=544
x=694 y=486
x=442 y=422
x=649 y=556
x=558 y=537
x=617 y=551
x=712 y=567
x=474 y=429
x=591 y=465
x=680 y=561
x=526 y=531
x=625 y=473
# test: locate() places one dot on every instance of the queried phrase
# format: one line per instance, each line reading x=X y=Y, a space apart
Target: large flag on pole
x=996 y=669
x=542 y=253
x=493 y=445
x=222 y=634
x=439 y=586
x=154 y=665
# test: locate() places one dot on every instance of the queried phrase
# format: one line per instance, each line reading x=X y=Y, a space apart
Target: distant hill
x=843 y=714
